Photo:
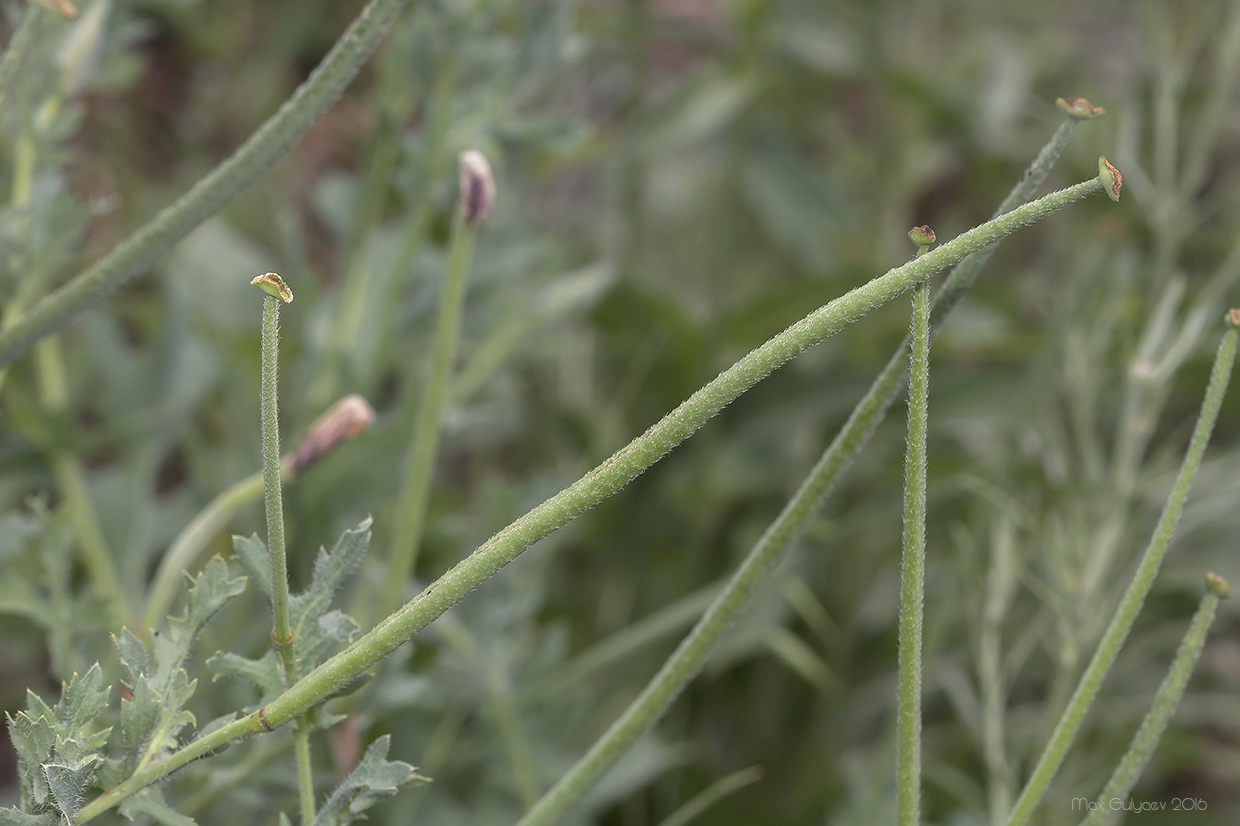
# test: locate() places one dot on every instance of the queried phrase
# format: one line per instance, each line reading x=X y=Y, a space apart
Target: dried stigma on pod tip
x=1079 y=108
x=1232 y=317
x=477 y=186
x=1109 y=177
x=922 y=236
x=1218 y=586
x=273 y=285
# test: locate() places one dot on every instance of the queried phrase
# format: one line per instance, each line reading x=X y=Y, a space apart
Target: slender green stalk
x=913 y=569
x=642 y=452
x=645 y=632
x=282 y=631
x=95 y=554
x=305 y=771
x=71 y=480
x=1165 y=702
x=965 y=273
x=609 y=477
x=1130 y=605
x=19 y=48
x=424 y=441
x=139 y=780
x=207 y=197
x=504 y=711
x=1000 y=582
x=715 y=792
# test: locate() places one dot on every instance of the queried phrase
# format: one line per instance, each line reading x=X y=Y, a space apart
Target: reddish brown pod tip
x=1079 y=108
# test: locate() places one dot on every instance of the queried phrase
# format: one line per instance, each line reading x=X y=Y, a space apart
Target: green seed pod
x=1218 y=586
x=922 y=236
x=1110 y=178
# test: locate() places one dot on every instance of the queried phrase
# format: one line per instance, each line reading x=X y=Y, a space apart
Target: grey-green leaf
x=265 y=672
x=68 y=783
x=150 y=802
x=252 y=553
x=374 y=778
x=133 y=654
x=83 y=699
x=16 y=817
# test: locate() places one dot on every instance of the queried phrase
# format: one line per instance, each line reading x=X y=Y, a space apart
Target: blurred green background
x=677 y=180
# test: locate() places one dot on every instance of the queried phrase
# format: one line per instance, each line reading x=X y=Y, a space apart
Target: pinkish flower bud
x=477 y=187
x=1079 y=108
x=1233 y=317
x=62 y=7
x=343 y=420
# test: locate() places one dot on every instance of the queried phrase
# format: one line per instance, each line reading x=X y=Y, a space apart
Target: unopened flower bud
x=1232 y=317
x=273 y=285
x=1110 y=178
x=62 y=7
x=477 y=187
x=922 y=236
x=1218 y=586
x=343 y=420
x=1079 y=108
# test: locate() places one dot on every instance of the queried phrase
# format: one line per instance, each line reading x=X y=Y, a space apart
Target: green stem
x=612 y=475
x=913 y=570
x=207 y=197
x=19 y=48
x=424 y=441
x=71 y=480
x=508 y=721
x=305 y=771
x=282 y=632
x=965 y=273
x=139 y=780
x=95 y=554
x=1130 y=605
x=1156 y=719
x=718 y=790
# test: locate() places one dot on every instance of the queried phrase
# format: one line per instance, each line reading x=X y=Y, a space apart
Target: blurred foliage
x=678 y=180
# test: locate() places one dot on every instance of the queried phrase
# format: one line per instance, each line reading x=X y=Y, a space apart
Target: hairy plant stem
x=603 y=481
x=1155 y=722
x=913 y=570
x=712 y=794
x=774 y=544
x=54 y=398
x=282 y=632
x=424 y=441
x=1134 y=596
x=18 y=48
x=207 y=197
